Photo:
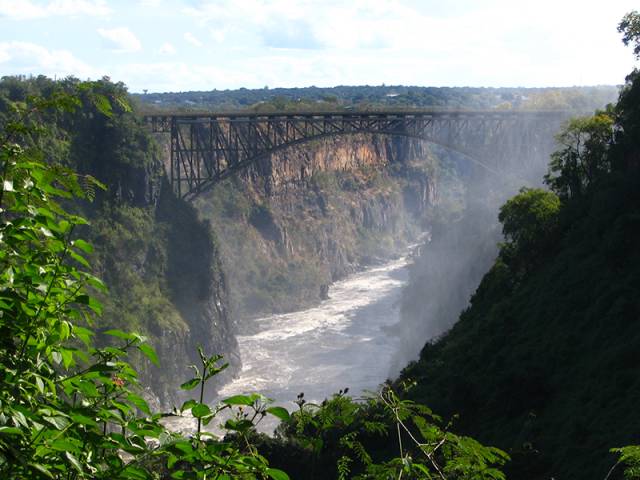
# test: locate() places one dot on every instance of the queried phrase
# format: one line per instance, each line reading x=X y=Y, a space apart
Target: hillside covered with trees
x=544 y=362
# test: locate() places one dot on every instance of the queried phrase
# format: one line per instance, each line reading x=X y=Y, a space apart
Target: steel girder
x=208 y=147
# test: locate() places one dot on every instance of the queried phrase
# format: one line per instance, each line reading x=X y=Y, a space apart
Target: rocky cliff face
x=158 y=258
x=308 y=215
x=161 y=264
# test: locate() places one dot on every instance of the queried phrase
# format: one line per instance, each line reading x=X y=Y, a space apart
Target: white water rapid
x=346 y=341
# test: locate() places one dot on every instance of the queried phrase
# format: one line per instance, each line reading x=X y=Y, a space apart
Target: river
x=346 y=341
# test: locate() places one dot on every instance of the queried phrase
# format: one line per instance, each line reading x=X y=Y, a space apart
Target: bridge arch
x=209 y=147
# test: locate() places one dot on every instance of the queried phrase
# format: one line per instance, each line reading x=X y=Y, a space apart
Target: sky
x=173 y=45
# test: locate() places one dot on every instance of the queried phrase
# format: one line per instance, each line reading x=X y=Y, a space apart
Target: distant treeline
x=371 y=97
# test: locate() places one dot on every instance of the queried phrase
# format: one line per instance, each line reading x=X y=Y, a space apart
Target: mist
x=461 y=241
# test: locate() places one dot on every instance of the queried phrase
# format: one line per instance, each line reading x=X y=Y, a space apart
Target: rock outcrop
x=313 y=213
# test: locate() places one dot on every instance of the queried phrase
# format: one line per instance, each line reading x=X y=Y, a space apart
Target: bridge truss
x=206 y=148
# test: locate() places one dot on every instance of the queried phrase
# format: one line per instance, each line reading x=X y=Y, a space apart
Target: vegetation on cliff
x=69 y=409
x=544 y=361
x=139 y=229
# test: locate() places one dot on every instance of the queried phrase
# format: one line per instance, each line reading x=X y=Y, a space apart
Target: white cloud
x=192 y=40
x=175 y=76
x=28 y=10
x=167 y=49
x=24 y=58
x=120 y=40
x=494 y=42
x=218 y=35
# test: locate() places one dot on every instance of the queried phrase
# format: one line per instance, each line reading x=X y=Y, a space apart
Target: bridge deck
x=208 y=146
x=354 y=113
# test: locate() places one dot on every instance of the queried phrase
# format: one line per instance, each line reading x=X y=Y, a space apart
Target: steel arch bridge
x=208 y=147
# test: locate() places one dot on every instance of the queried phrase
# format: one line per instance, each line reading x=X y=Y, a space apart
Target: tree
x=528 y=223
x=583 y=157
x=629 y=26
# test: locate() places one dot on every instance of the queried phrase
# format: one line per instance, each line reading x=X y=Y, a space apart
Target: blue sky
x=171 y=45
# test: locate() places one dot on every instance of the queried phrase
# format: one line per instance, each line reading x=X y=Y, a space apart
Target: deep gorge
x=273 y=239
x=260 y=253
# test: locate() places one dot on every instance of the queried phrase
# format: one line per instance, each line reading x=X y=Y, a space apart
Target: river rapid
x=346 y=341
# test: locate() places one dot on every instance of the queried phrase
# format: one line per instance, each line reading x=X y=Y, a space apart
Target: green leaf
x=67 y=357
x=276 y=474
x=64 y=329
x=279 y=412
x=82 y=245
x=56 y=357
x=150 y=353
x=74 y=461
x=57 y=421
x=238 y=425
x=200 y=410
x=10 y=431
x=191 y=384
x=187 y=405
x=139 y=402
x=39 y=384
x=42 y=469
x=95 y=282
x=119 y=334
x=83 y=420
x=62 y=445
x=95 y=305
x=83 y=334
x=239 y=400
x=63 y=226
x=135 y=473
x=80 y=259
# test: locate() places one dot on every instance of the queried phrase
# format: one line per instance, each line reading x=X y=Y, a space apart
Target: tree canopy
x=629 y=26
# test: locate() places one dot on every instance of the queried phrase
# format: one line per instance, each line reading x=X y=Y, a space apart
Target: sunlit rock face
x=308 y=215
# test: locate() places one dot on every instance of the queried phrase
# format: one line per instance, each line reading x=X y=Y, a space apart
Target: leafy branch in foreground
x=629 y=459
x=68 y=408
x=342 y=430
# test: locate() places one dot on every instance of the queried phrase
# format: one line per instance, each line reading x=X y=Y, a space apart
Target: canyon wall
x=157 y=257
x=301 y=218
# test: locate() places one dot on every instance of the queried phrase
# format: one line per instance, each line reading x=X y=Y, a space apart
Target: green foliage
x=346 y=97
x=629 y=26
x=157 y=287
x=630 y=458
x=583 y=158
x=529 y=221
x=336 y=437
x=69 y=409
x=556 y=343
